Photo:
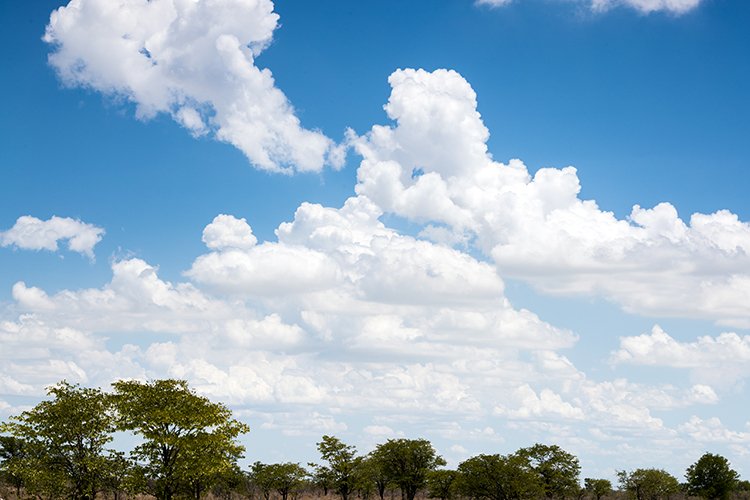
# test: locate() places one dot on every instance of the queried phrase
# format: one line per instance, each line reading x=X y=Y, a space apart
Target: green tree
x=441 y=484
x=65 y=438
x=497 y=477
x=407 y=462
x=711 y=477
x=558 y=469
x=373 y=470
x=597 y=487
x=343 y=465
x=12 y=452
x=321 y=477
x=648 y=484
x=188 y=441
x=285 y=478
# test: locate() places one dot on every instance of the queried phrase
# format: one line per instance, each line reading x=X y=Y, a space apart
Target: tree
x=711 y=477
x=64 y=439
x=374 y=471
x=441 y=484
x=12 y=452
x=648 y=484
x=558 y=469
x=188 y=441
x=285 y=478
x=496 y=477
x=407 y=462
x=343 y=465
x=597 y=487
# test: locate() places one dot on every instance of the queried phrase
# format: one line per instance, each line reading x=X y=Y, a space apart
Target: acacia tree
x=597 y=487
x=285 y=478
x=407 y=462
x=558 y=469
x=373 y=471
x=711 y=477
x=343 y=469
x=496 y=477
x=648 y=484
x=441 y=484
x=188 y=441
x=64 y=442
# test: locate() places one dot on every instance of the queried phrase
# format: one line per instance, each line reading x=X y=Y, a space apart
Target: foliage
x=343 y=465
x=558 y=469
x=188 y=441
x=374 y=473
x=12 y=451
x=597 y=487
x=285 y=478
x=441 y=484
x=648 y=484
x=496 y=477
x=406 y=462
x=711 y=477
x=64 y=439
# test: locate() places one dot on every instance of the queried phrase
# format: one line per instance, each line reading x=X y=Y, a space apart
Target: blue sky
x=464 y=304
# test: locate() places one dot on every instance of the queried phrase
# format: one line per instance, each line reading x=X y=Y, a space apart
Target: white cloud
x=643 y=6
x=433 y=167
x=721 y=360
x=30 y=233
x=193 y=60
x=712 y=430
x=648 y=6
x=226 y=232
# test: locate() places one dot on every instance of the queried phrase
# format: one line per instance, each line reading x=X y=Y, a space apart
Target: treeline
x=188 y=449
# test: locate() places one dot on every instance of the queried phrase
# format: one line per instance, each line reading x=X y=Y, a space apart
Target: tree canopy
x=711 y=477
x=188 y=441
x=406 y=462
x=63 y=442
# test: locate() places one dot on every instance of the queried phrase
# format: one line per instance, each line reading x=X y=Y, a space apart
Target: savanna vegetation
x=188 y=449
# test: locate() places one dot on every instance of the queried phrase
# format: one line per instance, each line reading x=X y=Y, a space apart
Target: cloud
x=432 y=166
x=643 y=6
x=194 y=61
x=723 y=359
x=648 y=6
x=30 y=233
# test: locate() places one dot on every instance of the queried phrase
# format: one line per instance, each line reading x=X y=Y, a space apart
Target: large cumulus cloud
x=195 y=61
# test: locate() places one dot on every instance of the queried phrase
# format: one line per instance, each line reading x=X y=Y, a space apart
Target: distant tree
x=648 y=484
x=343 y=465
x=558 y=469
x=12 y=453
x=188 y=441
x=711 y=477
x=597 y=487
x=496 y=477
x=374 y=470
x=407 y=462
x=321 y=477
x=64 y=442
x=441 y=484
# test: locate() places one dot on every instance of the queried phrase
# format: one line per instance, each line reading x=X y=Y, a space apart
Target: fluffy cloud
x=719 y=360
x=433 y=167
x=644 y=6
x=30 y=233
x=195 y=61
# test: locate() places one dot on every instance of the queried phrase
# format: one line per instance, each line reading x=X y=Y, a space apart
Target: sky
x=488 y=224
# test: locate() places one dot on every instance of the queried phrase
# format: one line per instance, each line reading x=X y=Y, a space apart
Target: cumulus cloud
x=720 y=360
x=194 y=61
x=643 y=6
x=433 y=167
x=30 y=233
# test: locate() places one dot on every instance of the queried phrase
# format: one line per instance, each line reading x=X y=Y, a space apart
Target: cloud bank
x=194 y=61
